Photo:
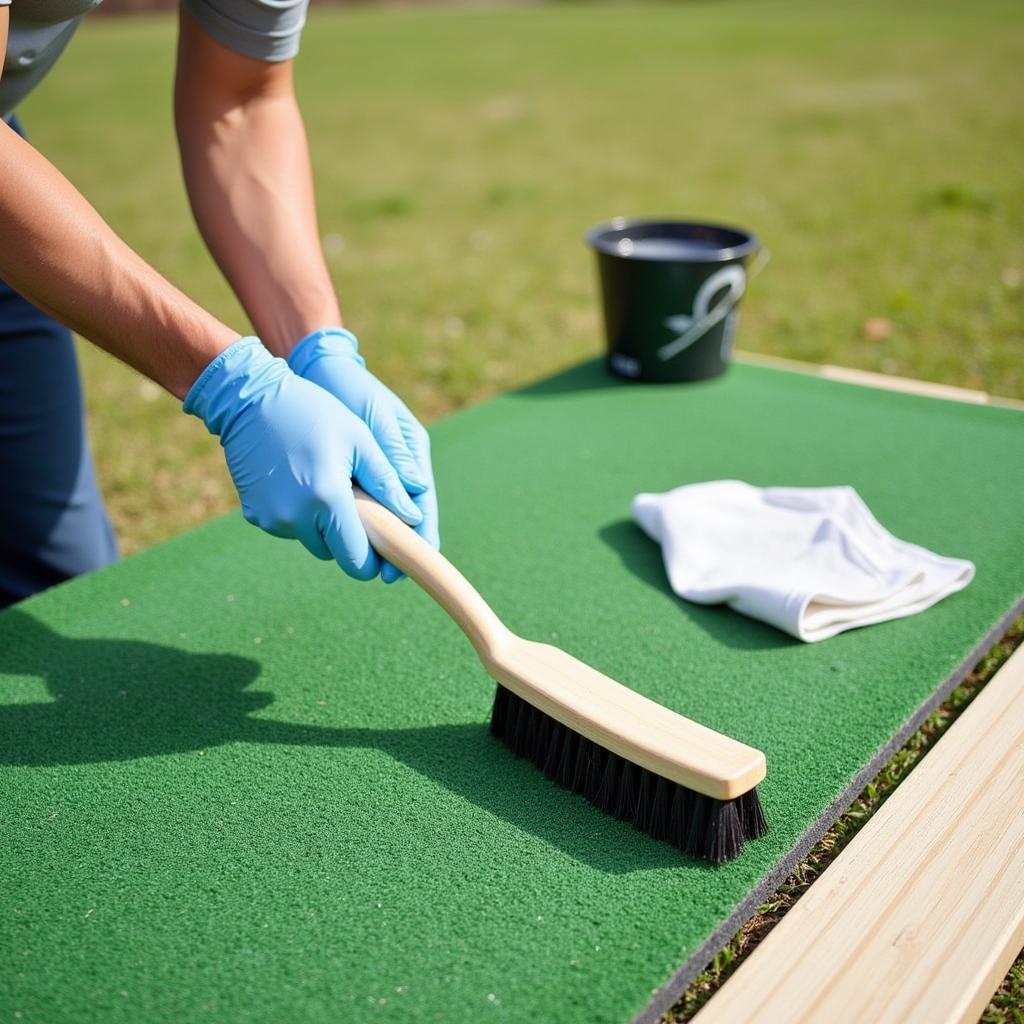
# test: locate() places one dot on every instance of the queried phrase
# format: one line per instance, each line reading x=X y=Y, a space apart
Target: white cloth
x=812 y=561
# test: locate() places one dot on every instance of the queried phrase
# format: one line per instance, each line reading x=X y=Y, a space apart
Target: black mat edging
x=665 y=997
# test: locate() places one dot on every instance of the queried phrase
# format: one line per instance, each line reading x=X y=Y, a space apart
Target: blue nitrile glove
x=293 y=451
x=330 y=358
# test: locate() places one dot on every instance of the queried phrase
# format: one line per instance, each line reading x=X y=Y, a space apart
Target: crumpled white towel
x=812 y=561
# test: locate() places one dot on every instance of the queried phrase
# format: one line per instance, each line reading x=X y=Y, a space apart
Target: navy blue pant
x=52 y=521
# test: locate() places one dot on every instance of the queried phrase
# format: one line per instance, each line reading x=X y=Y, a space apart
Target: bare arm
x=57 y=252
x=246 y=165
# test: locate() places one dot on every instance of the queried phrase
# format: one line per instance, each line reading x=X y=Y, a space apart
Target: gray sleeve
x=262 y=29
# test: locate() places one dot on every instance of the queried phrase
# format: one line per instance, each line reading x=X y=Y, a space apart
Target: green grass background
x=461 y=154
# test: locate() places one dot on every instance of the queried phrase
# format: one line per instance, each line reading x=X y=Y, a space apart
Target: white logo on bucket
x=626 y=365
x=693 y=327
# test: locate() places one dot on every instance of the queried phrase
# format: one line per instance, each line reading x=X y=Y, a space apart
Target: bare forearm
x=58 y=252
x=246 y=165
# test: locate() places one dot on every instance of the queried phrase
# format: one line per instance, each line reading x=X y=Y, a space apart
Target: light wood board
x=881 y=381
x=920 y=917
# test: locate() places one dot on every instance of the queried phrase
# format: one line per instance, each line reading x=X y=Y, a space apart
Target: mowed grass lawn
x=877 y=148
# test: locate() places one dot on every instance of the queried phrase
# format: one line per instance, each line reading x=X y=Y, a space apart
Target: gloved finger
x=306 y=533
x=388 y=433
x=375 y=474
x=427 y=504
x=312 y=540
x=428 y=526
x=390 y=573
x=418 y=442
x=343 y=534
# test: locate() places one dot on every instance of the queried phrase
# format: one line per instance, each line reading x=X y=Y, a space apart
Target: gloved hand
x=293 y=451
x=331 y=359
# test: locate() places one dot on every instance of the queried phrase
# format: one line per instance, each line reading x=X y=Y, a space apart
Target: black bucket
x=671 y=291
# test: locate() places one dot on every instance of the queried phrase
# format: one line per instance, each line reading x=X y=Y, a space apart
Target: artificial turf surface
x=237 y=786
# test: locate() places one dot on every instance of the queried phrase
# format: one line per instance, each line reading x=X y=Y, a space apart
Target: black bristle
x=608 y=792
x=529 y=732
x=511 y=707
x=595 y=772
x=657 y=820
x=499 y=712
x=567 y=762
x=553 y=753
x=697 y=826
x=751 y=816
x=581 y=769
x=723 y=838
x=629 y=791
x=541 y=739
x=700 y=825
x=516 y=709
x=646 y=781
x=519 y=730
x=678 y=817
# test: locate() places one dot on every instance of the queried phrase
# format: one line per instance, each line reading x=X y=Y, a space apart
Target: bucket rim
x=597 y=238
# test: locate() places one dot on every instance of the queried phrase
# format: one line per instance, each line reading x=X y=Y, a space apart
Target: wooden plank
x=890 y=382
x=883 y=381
x=918 y=920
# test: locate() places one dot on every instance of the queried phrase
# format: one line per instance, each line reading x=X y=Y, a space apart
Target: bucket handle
x=759 y=262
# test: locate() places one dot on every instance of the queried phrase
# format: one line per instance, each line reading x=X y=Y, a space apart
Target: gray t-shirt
x=40 y=29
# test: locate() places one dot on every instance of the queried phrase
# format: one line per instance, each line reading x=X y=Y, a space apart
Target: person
x=299 y=416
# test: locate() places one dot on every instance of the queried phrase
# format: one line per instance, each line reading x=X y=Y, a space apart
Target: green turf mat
x=236 y=786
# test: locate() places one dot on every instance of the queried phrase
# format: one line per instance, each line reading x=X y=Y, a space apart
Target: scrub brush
x=671 y=777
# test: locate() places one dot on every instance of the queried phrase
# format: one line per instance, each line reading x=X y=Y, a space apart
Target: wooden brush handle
x=403 y=547
x=563 y=687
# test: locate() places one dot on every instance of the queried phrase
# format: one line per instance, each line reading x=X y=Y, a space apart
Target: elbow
x=215 y=84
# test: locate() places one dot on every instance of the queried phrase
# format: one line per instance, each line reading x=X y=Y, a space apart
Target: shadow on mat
x=117 y=700
x=592 y=376
x=642 y=556
x=588 y=376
